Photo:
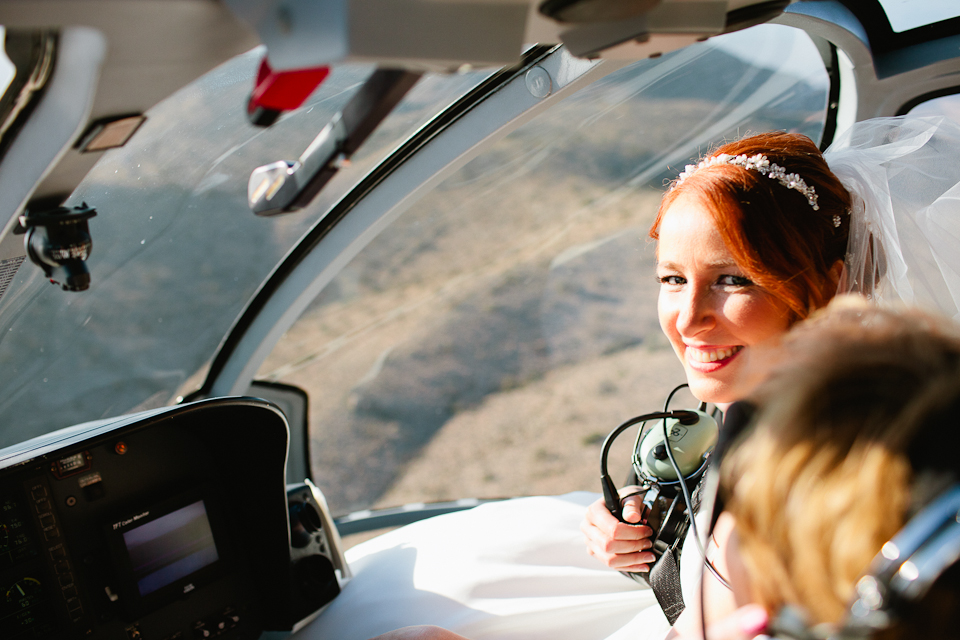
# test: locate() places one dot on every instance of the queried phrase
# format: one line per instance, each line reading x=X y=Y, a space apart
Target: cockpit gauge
x=24 y=593
x=24 y=607
x=15 y=540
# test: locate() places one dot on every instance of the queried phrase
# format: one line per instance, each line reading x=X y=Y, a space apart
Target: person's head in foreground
x=749 y=241
x=856 y=430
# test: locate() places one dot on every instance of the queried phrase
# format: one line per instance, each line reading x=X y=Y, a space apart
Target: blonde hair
x=824 y=478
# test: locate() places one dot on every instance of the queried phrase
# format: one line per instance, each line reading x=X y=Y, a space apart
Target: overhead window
x=910 y=14
x=948 y=106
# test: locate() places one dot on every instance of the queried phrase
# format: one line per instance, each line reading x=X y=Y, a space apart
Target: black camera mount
x=58 y=241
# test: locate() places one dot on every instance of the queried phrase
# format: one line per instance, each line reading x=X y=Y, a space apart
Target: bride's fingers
x=632 y=508
x=618 y=545
x=600 y=517
x=623 y=538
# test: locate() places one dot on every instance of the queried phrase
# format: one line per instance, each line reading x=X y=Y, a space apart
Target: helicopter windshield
x=176 y=251
x=486 y=341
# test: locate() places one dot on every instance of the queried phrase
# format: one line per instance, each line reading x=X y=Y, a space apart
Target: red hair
x=776 y=237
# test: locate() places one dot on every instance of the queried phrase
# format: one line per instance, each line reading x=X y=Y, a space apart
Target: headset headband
x=904 y=570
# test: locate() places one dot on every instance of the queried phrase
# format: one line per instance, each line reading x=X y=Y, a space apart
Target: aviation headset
x=669 y=465
x=902 y=574
x=895 y=587
x=897 y=580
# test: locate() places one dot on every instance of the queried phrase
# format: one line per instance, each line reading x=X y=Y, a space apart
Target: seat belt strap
x=665 y=581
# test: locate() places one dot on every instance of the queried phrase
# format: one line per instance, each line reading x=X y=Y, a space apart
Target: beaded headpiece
x=761 y=164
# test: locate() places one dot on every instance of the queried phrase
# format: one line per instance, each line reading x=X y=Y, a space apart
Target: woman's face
x=710 y=311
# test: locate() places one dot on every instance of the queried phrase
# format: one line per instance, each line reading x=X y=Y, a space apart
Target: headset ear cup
x=913 y=584
x=936 y=615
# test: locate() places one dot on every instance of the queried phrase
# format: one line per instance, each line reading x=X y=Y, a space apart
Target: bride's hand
x=619 y=545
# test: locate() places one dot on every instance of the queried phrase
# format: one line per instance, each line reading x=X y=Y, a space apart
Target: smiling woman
x=750 y=240
x=785 y=237
x=743 y=254
x=709 y=309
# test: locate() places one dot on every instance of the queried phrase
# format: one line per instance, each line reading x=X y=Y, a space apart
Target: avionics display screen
x=171 y=547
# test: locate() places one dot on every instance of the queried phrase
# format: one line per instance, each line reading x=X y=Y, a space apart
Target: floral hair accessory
x=761 y=164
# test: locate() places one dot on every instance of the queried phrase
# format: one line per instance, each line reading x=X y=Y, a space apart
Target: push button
x=73 y=604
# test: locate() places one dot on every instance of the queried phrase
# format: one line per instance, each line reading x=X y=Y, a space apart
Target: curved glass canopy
x=176 y=251
x=484 y=343
x=479 y=346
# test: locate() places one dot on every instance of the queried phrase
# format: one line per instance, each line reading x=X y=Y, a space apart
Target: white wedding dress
x=510 y=570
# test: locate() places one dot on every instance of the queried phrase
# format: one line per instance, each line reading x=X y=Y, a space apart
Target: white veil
x=904 y=174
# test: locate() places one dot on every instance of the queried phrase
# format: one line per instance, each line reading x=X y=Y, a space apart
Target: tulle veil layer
x=904 y=174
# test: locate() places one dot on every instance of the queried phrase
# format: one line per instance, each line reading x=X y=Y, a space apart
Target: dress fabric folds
x=510 y=570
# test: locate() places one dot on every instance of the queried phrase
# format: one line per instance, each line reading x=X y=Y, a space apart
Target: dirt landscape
x=501 y=379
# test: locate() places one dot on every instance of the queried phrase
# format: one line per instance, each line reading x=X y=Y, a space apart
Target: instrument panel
x=25 y=605
x=170 y=525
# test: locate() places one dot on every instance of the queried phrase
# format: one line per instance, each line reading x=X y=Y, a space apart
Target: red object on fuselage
x=284 y=90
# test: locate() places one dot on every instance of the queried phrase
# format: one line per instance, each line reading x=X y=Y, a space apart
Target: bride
x=753 y=238
x=904 y=228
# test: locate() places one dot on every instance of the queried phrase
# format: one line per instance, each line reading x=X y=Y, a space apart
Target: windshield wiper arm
x=283 y=186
